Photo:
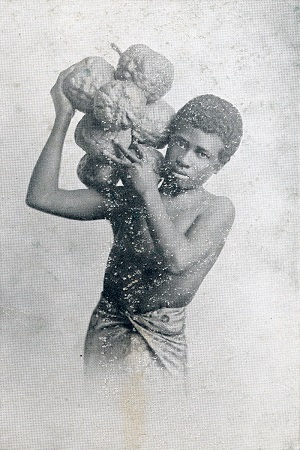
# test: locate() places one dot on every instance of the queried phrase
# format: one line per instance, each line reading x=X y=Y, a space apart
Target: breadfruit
x=96 y=174
x=149 y=70
x=153 y=129
x=118 y=105
x=97 y=142
x=87 y=77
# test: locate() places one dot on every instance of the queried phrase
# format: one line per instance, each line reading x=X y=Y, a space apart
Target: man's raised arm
x=43 y=191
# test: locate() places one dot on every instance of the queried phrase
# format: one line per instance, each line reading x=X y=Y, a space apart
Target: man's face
x=192 y=157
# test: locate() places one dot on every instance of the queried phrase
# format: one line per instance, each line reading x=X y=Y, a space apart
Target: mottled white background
x=242 y=325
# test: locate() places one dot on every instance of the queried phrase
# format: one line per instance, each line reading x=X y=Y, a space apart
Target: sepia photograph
x=149 y=239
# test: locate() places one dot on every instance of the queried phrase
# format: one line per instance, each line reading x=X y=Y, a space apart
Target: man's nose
x=182 y=161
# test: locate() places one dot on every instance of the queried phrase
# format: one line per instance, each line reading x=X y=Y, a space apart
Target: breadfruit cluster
x=98 y=142
x=81 y=85
x=149 y=70
x=120 y=105
x=153 y=128
x=96 y=174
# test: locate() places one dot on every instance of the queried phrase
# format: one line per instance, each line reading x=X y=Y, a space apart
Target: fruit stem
x=116 y=48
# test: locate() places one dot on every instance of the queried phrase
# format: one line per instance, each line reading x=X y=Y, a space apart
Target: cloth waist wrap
x=154 y=339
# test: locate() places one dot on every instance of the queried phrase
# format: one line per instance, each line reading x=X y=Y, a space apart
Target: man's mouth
x=179 y=173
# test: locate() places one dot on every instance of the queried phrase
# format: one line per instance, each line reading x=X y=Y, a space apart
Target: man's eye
x=202 y=154
x=181 y=144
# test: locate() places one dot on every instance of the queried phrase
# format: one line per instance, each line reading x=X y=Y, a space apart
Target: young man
x=166 y=239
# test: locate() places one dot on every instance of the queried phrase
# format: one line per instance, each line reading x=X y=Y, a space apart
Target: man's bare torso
x=137 y=278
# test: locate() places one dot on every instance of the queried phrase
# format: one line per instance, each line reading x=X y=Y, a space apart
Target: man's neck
x=172 y=190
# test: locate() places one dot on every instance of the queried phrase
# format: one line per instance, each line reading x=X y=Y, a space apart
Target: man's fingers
x=139 y=150
x=127 y=153
x=120 y=161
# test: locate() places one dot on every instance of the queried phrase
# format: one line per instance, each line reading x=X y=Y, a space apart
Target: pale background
x=242 y=325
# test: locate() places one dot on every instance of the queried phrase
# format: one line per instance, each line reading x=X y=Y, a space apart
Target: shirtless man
x=166 y=238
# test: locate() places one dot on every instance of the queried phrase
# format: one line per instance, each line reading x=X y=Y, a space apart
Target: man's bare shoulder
x=219 y=210
x=223 y=204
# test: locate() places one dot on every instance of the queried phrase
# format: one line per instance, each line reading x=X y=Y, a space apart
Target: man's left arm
x=179 y=250
x=206 y=235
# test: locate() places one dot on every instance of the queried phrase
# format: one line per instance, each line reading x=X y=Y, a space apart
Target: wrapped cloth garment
x=153 y=340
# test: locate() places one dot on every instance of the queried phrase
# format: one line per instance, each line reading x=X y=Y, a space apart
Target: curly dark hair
x=212 y=114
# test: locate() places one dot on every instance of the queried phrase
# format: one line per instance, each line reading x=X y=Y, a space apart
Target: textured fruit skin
x=81 y=85
x=149 y=70
x=118 y=105
x=96 y=174
x=97 y=142
x=153 y=129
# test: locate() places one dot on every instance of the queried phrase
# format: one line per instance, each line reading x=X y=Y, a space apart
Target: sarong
x=155 y=339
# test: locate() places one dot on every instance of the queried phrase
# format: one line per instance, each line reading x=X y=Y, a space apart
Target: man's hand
x=138 y=168
x=62 y=104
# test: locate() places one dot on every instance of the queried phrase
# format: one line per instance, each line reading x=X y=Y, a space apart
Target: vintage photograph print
x=149 y=209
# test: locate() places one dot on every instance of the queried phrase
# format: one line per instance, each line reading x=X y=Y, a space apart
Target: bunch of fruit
x=122 y=106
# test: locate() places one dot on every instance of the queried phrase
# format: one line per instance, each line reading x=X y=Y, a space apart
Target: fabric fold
x=152 y=340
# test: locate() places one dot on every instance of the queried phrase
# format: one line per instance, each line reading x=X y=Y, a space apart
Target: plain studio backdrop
x=242 y=324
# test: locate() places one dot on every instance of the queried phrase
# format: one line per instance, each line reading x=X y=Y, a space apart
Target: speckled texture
x=149 y=70
x=153 y=128
x=96 y=141
x=242 y=327
x=96 y=174
x=81 y=85
x=118 y=105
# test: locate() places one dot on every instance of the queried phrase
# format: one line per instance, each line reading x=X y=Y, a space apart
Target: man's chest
x=135 y=235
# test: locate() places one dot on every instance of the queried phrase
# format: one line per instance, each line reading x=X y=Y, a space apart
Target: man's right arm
x=43 y=191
